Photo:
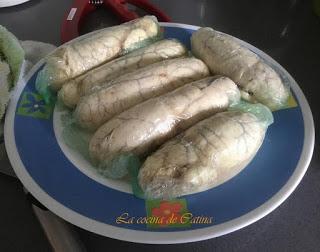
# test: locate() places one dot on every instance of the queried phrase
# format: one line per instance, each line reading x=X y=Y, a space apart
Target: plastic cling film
x=134 y=172
x=262 y=112
x=120 y=94
x=72 y=91
x=69 y=94
x=258 y=81
x=123 y=166
x=164 y=188
x=142 y=44
x=291 y=103
x=96 y=48
x=205 y=155
x=263 y=84
x=145 y=126
x=74 y=136
x=42 y=87
x=118 y=167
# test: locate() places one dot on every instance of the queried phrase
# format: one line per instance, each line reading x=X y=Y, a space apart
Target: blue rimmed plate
x=66 y=184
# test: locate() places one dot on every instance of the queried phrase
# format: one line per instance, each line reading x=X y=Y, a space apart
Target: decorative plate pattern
x=47 y=171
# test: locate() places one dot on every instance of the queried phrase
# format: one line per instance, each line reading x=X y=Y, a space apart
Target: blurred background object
x=122 y=10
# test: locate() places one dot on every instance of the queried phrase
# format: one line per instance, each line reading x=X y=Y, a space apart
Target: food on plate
x=224 y=55
x=71 y=92
x=158 y=106
x=12 y=53
x=142 y=128
x=91 y=50
x=128 y=90
x=207 y=154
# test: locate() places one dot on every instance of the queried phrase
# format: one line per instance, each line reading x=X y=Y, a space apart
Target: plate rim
x=168 y=237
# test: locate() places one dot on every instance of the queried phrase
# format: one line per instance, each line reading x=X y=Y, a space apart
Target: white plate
x=56 y=179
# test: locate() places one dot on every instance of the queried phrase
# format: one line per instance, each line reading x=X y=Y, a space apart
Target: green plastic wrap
x=134 y=172
x=141 y=44
x=261 y=111
x=122 y=166
x=42 y=86
x=12 y=53
x=117 y=168
x=74 y=136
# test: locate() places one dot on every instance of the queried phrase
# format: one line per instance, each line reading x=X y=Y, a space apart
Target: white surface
x=7 y=3
x=165 y=237
x=80 y=162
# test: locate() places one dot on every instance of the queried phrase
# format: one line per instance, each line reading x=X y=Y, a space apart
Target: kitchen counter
x=289 y=31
